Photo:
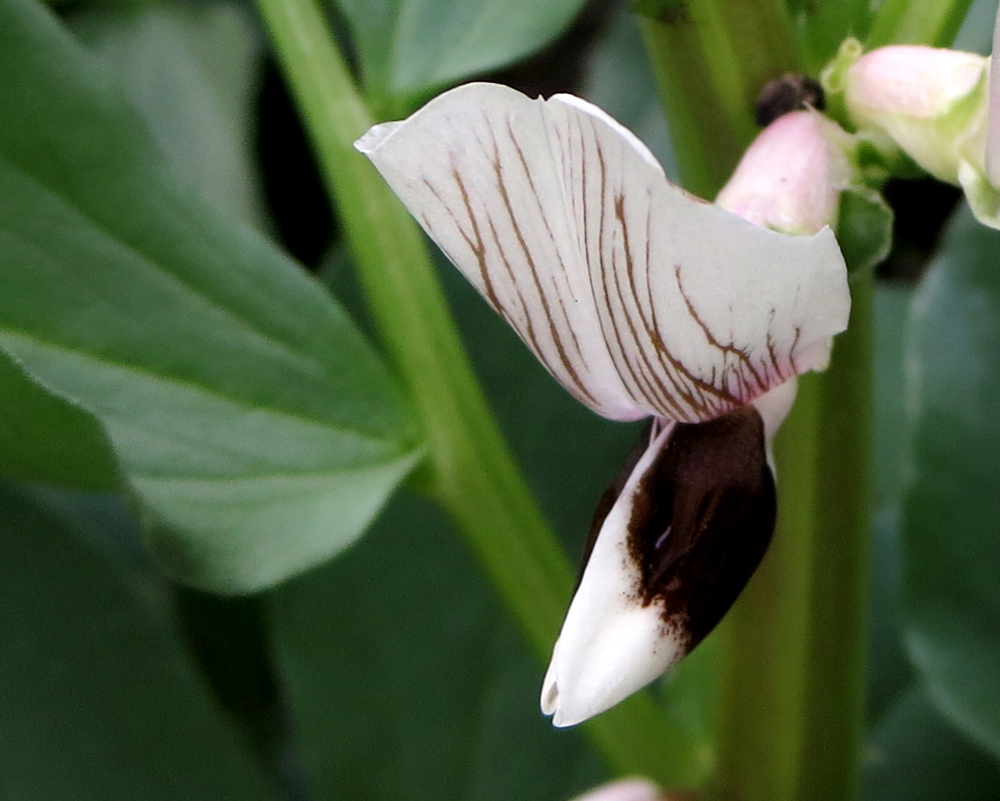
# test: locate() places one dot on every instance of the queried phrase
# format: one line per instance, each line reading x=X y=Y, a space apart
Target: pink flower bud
x=929 y=101
x=634 y=789
x=791 y=176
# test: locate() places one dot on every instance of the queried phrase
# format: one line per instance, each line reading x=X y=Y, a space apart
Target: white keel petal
x=610 y=644
x=680 y=542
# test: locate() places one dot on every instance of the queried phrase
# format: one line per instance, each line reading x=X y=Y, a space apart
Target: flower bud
x=633 y=789
x=930 y=102
x=791 y=176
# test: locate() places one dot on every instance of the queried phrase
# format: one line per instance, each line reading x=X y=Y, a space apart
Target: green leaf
x=409 y=47
x=889 y=669
x=397 y=656
x=976 y=33
x=892 y=311
x=952 y=510
x=46 y=438
x=257 y=428
x=192 y=73
x=97 y=697
x=914 y=754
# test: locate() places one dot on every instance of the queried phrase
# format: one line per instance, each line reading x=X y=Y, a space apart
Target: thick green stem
x=930 y=22
x=838 y=635
x=791 y=676
x=711 y=60
x=793 y=686
x=471 y=470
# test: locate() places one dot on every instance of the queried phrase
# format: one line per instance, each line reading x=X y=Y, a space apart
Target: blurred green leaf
x=892 y=309
x=976 y=33
x=46 y=438
x=97 y=697
x=930 y=22
x=889 y=670
x=192 y=73
x=407 y=682
x=951 y=514
x=256 y=426
x=409 y=47
x=914 y=754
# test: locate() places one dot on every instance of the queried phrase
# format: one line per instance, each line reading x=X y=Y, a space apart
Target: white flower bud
x=791 y=176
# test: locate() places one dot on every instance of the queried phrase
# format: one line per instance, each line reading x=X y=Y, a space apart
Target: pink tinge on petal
x=632 y=789
x=910 y=80
x=791 y=176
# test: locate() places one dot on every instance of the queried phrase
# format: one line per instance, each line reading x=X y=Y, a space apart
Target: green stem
x=838 y=638
x=471 y=470
x=711 y=60
x=930 y=22
x=791 y=677
x=794 y=682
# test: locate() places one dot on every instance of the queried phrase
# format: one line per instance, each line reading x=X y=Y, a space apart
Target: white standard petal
x=639 y=298
x=476 y=169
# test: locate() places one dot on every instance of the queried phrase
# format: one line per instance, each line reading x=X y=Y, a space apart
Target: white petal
x=702 y=311
x=982 y=195
x=639 y=298
x=475 y=167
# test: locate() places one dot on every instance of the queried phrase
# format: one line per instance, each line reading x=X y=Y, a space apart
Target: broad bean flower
x=642 y=301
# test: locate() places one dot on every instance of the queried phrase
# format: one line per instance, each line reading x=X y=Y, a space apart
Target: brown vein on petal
x=553 y=331
x=707 y=387
x=478 y=247
x=684 y=392
x=529 y=326
x=636 y=382
x=548 y=231
x=669 y=406
x=683 y=395
x=739 y=353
